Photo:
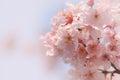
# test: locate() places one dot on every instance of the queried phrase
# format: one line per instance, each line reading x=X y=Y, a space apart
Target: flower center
x=69 y=17
x=96 y=16
x=68 y=38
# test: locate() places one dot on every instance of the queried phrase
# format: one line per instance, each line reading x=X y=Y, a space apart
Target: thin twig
x=113 y=66
x=105 y=72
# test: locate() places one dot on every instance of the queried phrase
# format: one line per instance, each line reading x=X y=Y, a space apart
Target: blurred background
x=21 y=52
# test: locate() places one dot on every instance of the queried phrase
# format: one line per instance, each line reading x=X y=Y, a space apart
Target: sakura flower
x=78 y=9
x=61 y=19
x=94 y=33
x=94 y=48
x=105 y=60
x=104 y=4
x=80 y=52
x=66 y=41
x=69 y=17
x=92 y=75
x=91 y=2
x=50 y=38
x=94 y=61
x=86 y=36
x=108 y=34
x=97 y=17
x=57 y=21
x=113 y=48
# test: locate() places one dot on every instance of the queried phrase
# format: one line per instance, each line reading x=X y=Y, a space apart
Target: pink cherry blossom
x=61 y=19
x=97 y=17
x=86 y=36
x=94 y=48
x=80 y=51
x=93 y=75
x=105 y=60
x=91 y=2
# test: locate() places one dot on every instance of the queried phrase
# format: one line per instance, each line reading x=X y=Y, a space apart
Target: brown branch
x=116 y=71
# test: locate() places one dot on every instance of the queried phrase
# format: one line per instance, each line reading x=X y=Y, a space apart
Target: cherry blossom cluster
x=86 y=36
